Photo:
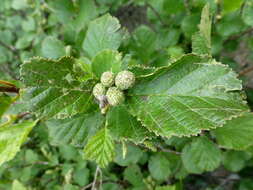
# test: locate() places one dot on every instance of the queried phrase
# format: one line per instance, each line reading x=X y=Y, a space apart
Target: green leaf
x=189 y=25
x=63 y=10
x=159 y=167
x=206 y=23
x=87 y=12
x=225 y=28
x=107 y=60
x=52 y=88
x=52 y=48
x=201 y=155
x=75 y=130
x=235 y=160
x=237 y=133
x=247 y=14
x=16 y=185
x=186 y=97
x=141 y=70
x=5 y=102
x=143 y=43
x=103 y=33
x=173 y=6
x=229 y=6
x=201 y=41
x=133 y=155
x=133 y=174
x=167 y=187
x=199 y=44
x=123 y=125
x=100 y=148
x=12 y=137
x=19 y=4
x=81 y=176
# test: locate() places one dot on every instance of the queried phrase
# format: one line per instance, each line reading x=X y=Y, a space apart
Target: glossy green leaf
x=100 y=148
x=201 y=155
x=52 y=88
x=186 y=97
x=12 y=137
x=123 y=125
x=237 y=133
x=107 y=60
x=75 y=130
x=103 y=33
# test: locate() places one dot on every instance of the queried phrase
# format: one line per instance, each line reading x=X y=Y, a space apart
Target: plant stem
x=11 y=48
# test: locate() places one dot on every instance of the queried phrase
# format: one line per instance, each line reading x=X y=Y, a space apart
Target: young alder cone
x=115 y=96
x=99 y=90
x=107 y=79
x=124 y=80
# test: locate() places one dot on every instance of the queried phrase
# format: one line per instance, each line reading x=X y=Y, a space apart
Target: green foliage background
x=149 y=34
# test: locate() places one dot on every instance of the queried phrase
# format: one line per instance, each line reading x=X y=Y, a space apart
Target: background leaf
x=52 y=48
x=103 y=33
x=159 y=167
x=237 y=133
x=12 y=137
x=100 y=148
x=201 y=155
x=107 y=60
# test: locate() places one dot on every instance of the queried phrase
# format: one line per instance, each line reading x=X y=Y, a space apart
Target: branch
x=119 y=182
x=95 y=179
x=9 y=89
x=7 y=83
x=11 y=48
x=6 y=68
x=161 y=148
x=245 y=71
x=236 y=36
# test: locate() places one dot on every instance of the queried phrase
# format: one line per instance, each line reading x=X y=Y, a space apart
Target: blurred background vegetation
x=154 y=31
